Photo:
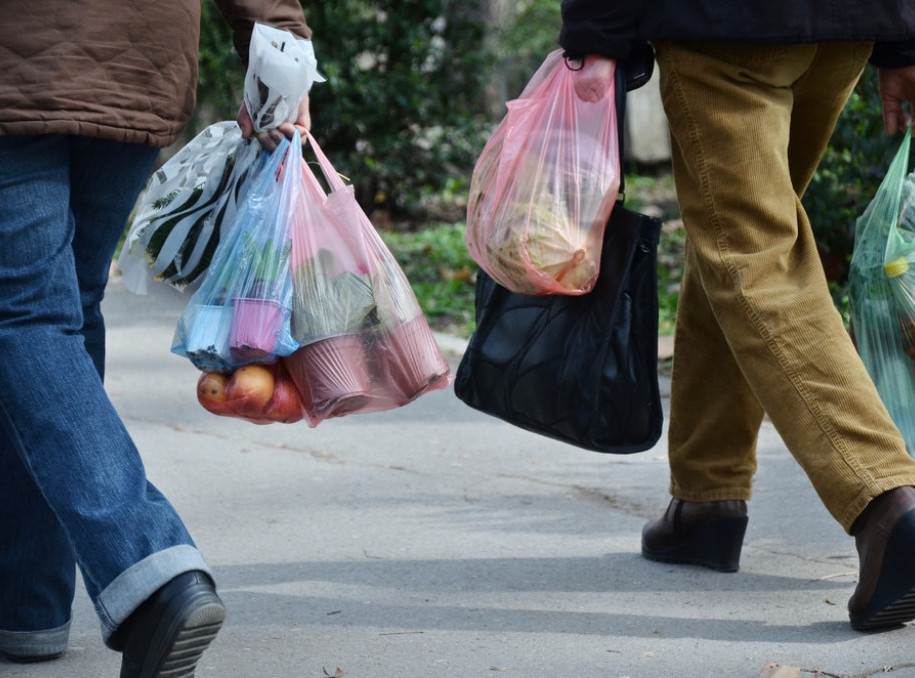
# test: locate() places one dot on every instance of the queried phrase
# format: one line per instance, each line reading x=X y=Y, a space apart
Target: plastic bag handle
x=336 y=183
x=621 y=88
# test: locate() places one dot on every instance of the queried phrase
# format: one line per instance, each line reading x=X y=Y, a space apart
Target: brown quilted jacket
x=124 y=70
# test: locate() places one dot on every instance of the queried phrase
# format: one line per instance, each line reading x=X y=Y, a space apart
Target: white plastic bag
x=281 y=70
x=180 y=214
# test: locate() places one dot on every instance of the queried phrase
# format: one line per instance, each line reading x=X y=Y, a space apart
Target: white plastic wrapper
x=179 y=217
x=282 y=67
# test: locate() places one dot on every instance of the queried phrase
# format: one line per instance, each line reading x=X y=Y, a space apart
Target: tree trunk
x=497 y=14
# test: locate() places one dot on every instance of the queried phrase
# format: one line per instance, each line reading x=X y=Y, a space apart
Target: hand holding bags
x=581 y=369
x=281 y=70
x=182 y=211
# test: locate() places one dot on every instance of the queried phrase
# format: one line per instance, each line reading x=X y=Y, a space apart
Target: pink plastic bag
x=543 y=188
x=365 y=343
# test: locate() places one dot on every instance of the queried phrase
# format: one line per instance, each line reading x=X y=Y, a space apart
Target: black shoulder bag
x=580 y=369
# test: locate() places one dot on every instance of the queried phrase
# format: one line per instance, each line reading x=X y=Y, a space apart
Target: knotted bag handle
x=632 y=72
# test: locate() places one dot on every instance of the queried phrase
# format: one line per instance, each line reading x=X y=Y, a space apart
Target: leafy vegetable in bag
x=366 y=345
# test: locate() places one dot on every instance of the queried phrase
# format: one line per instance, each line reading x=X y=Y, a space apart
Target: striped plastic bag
x=182 y=212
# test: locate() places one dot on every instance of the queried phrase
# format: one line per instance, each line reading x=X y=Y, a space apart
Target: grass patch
x=671 y=250
x=441 y=272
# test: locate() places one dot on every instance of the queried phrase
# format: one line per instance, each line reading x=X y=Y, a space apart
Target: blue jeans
x=73 y=490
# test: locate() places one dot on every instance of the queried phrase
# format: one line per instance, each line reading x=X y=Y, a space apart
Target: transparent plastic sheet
x=240 y=313
x=882 y=292
x=184 y=208
x=366 y=345
x=281 y=70
x=544 y=185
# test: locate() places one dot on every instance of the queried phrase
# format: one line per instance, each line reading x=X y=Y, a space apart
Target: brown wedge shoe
x=709 y=534
x=885 y=538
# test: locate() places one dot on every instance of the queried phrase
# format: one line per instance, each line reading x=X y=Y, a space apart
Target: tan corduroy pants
x=757 y=331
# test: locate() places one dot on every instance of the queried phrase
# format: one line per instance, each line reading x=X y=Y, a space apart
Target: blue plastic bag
x=241 y=312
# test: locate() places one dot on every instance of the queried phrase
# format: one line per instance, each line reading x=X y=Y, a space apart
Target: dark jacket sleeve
x=605 y=27
x=894 y=54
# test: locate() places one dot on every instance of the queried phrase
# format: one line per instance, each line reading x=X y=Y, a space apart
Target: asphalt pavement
x=433 y=541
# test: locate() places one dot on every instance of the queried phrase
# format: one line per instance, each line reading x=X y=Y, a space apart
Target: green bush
x=401 y=111
x=852 y=168
x=524 y=42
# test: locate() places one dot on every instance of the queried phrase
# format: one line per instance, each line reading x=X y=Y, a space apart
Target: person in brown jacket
x=89 y=92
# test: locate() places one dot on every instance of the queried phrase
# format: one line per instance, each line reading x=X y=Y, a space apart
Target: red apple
x=211 y=393
x=249 y=390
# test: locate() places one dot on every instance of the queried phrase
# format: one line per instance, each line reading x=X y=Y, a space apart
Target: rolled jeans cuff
x=138 y=582
x=35 y=643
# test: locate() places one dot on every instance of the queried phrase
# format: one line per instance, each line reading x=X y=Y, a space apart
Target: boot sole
x=893 y=602
x=175 y=651
x=715 y=544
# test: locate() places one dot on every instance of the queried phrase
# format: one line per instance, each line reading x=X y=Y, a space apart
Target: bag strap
x=620 y=91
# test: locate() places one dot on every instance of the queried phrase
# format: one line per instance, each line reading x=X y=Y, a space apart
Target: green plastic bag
x=882 y=291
